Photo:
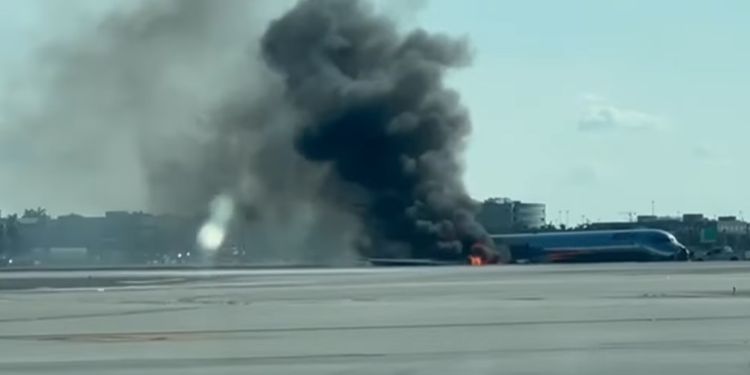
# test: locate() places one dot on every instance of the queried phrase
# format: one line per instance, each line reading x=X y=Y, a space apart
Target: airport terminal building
x=503 y=215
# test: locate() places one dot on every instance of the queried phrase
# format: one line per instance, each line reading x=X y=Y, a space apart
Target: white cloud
x=601 y=115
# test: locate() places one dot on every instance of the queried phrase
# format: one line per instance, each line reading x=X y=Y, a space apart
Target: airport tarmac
x=656 y=318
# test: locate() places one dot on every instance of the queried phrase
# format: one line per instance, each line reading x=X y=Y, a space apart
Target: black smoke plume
x=330 y=129
x=374 y=107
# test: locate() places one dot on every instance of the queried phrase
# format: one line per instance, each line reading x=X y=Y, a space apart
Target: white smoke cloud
x=213 y=232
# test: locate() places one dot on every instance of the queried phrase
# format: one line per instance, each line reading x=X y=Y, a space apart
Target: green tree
x=39 y=213
x=2 y=237
x=12 y=236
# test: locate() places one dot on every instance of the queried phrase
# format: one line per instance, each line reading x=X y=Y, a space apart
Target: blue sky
x=600 y=107
x=594 y=107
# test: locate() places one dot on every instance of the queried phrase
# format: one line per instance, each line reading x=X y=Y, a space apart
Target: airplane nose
x=683 y=254
x=686 y=253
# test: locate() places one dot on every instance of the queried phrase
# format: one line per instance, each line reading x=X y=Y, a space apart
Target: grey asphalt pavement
x=661 y=318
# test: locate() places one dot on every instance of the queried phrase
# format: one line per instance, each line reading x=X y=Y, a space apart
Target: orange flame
x=476 y=260
x=481 y=254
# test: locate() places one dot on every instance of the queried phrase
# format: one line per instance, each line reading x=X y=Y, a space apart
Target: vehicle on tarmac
x=717 y=253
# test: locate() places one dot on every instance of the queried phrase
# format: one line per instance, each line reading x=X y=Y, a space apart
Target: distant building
x=694 y=230
x=730 y=225
x=693 y=218
x=529 y=215
x=503 y=215
x=116 y=237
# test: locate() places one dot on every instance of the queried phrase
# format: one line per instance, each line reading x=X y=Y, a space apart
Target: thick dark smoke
x=330 y=129
x=374 y=107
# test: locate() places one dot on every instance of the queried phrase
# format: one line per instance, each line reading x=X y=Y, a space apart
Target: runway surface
x=667 y=318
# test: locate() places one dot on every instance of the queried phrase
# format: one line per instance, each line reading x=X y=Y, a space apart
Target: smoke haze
x=330 y=129
x=109 y=106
